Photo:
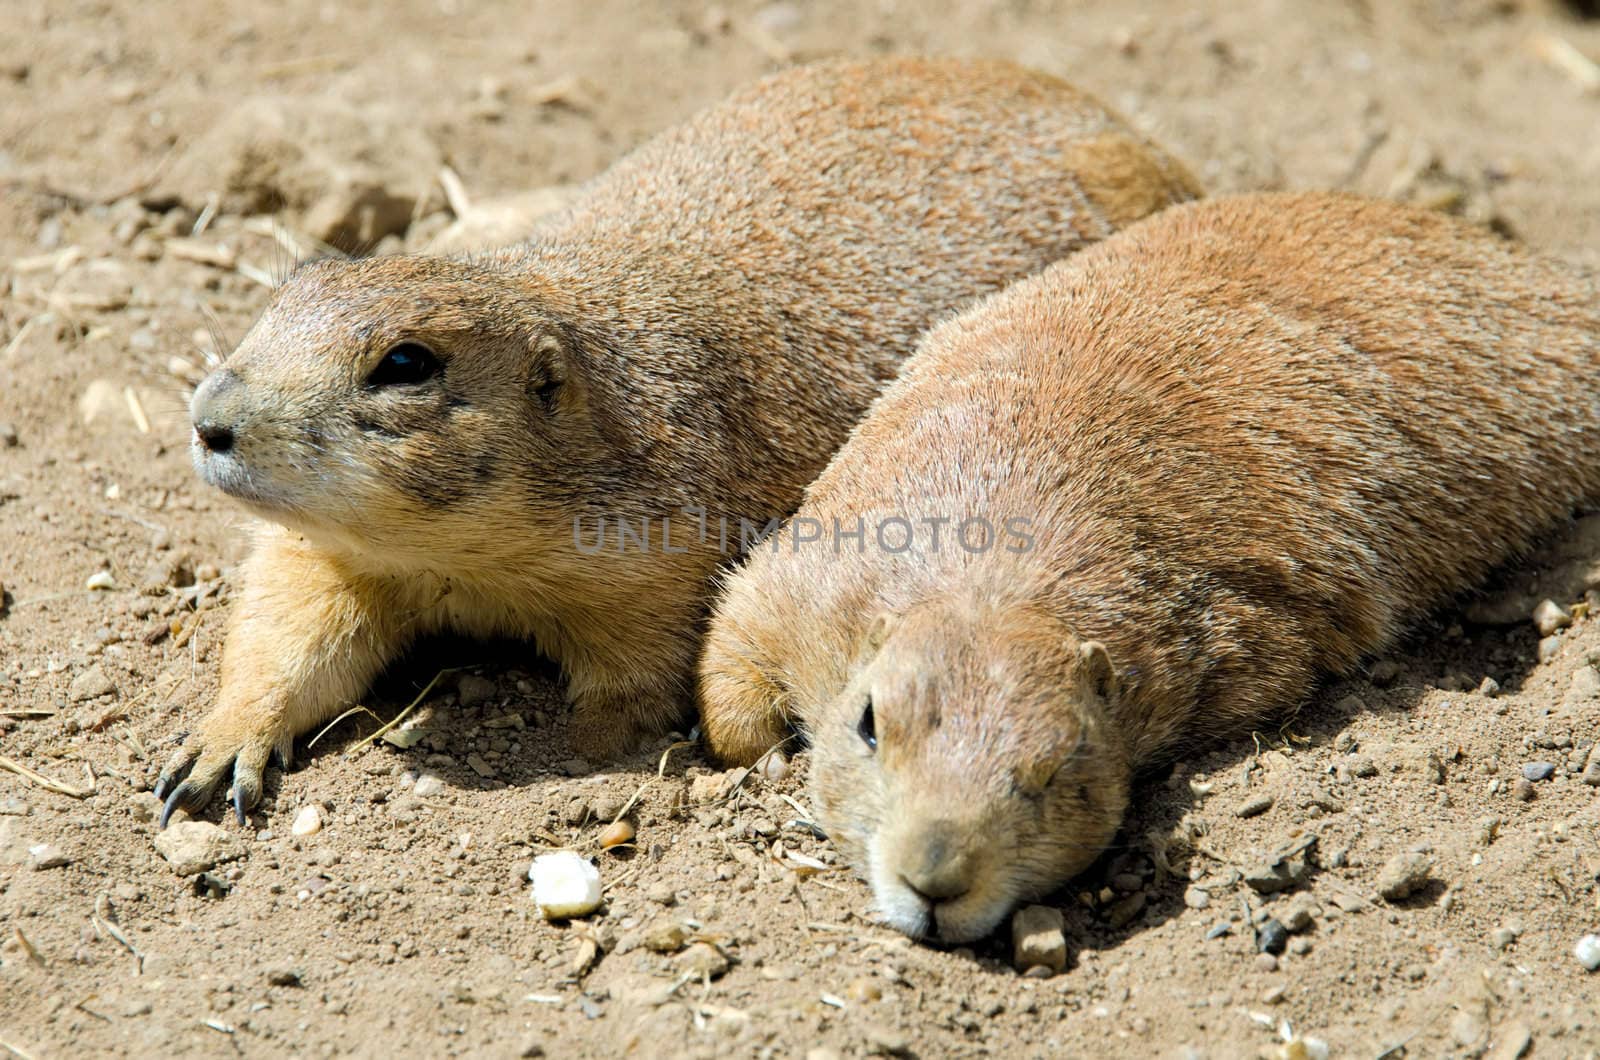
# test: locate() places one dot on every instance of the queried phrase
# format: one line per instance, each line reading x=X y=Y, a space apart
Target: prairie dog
x=1247 y=440
x=562 y=440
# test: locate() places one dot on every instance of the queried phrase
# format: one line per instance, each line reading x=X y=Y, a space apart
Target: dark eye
x=867 y=727
x=407 y=364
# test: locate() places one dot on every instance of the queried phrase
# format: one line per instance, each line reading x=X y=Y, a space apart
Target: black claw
x=161 y=787
x=238 y=804
x=173 y=802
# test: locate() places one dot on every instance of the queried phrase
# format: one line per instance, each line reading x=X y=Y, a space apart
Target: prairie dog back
x=563 y=440
x=1251 y=438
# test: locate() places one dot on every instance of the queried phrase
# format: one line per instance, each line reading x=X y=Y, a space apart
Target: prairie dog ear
x=879 y=632
x=551 y=368
x=1098 y=672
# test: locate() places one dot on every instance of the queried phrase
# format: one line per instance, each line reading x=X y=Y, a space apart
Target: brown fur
x=1255 y=438
x=698 y=332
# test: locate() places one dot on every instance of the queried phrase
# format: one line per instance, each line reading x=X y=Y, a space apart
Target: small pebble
x=100 y=580
x=1272 y=937
x=1266 y=962
x=47 y=856
x=666 y=937
x=91 y=684
x=1588 y=952
x=1299 y=915
x=1123 y=912
x=886 y=1041
x=564 y=885
x=1591 y=772
x=1254 y=807
x=1549 y=647
x=1537 y=771
x=1196 y=898
x=8 y=435
x=1550 y=617
x=1219 y=929
x=308 y=821
x=428 y=784
x=775 y=766
x=702 y=960
x=1522 y=790
x=1403 y=875
x=193 y=847
x=472 y=689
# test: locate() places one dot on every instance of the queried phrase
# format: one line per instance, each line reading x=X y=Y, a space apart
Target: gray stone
x=1403 y=875
x=47 y=856
x=193 y=847
x=91 y=684
x=1550 y=617
x=472 y=689
x=1272 y=937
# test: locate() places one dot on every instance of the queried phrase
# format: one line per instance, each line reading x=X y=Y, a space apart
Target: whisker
x=219 y=341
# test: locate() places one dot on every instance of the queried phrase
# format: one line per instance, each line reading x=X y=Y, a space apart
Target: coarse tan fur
x=1233 y=449
x=683 y=349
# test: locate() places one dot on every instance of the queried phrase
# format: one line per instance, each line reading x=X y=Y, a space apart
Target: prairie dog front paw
x=306 y=636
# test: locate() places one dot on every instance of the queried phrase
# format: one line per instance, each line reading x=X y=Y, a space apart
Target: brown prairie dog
x=550 y=441
x=1249 y=440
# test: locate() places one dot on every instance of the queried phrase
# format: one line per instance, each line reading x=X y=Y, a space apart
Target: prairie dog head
x=968 y=764
x=386 y=402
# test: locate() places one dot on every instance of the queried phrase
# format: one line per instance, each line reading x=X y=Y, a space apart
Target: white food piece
x=564 y=885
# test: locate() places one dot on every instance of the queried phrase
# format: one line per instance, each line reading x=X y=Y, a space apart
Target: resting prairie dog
x=1248 y=441
x=460 y=443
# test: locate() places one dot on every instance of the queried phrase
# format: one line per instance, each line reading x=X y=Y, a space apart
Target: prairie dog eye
x=406 y=364
x=867 y=727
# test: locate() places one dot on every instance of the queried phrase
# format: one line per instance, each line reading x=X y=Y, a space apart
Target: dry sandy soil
x=141 y=146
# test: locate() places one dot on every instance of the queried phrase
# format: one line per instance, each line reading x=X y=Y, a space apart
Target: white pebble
x=775 y=766
x=100 y=579
x=1551 y=617
x=564 y=885
x=1588 y=952
x=429 y=784
x=308 y=821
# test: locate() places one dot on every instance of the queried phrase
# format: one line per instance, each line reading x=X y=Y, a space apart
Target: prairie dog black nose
x=214 y=410
x=214 y=436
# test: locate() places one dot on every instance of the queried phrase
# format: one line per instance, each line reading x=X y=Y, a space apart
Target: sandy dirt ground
x=161 y=162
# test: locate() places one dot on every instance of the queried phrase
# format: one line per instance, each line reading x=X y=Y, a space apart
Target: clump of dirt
x=1408 y=864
